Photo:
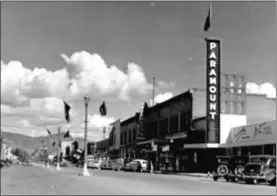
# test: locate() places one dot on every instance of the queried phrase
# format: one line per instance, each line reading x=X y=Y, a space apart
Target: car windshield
x=261 y=160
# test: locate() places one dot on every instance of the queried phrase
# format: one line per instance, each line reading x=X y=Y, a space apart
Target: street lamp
x=85 y=171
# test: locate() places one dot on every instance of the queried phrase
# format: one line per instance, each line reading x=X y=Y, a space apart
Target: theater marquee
x=213 y=91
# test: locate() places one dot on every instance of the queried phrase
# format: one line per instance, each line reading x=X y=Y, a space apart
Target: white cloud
x=161 y=97
x=266 y=89
x=37 y=93
x=23 y=123
x=163 y=84
x=19 y=84
x=97 y=121
x=90 y=74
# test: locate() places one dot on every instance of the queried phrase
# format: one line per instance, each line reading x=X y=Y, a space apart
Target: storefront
x=255 y=139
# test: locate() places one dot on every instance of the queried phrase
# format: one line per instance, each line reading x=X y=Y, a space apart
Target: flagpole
x=58 y=156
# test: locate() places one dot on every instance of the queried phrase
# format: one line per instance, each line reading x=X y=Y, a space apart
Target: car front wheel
x=222 y=170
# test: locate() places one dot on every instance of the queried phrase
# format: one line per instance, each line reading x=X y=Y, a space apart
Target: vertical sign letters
x=213 y=90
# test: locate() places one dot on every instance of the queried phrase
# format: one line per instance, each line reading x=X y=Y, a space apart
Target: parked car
x=95 y=164
x=134 y=166
x=261 y=168
x=231 y=168
x=106 y=164
x=118 y=164
x=221 y=168
x=143 y=163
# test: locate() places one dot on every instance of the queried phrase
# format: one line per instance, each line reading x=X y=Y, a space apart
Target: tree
x=21 y=154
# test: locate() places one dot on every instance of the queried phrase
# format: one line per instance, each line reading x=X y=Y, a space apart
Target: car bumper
x=254 y=177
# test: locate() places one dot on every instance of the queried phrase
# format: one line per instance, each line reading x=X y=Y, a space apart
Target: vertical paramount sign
x=213 y=91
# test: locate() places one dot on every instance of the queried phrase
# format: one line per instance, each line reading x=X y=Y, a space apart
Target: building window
x=125 y=137
x=134 y=134
x=130 y=135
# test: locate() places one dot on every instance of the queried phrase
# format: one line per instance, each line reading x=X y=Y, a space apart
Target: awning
x=252 y=135
x=177 y=136
x=202 y=146
x=257 y=143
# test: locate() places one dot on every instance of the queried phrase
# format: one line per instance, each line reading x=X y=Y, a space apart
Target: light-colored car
x=95 y=164
x=143 y=163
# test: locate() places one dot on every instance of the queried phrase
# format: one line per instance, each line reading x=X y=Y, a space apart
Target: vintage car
x=134 y=166
x=261 y=168
x=118 y=164
x=95 y=164
x=230 y=168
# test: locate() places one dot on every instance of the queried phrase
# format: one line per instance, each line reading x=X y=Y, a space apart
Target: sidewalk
x=199 y=175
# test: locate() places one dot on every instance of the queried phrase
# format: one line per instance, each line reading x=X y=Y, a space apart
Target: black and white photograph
x=138 y=98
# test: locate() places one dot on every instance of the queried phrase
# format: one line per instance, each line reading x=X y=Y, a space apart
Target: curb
x=181 y=174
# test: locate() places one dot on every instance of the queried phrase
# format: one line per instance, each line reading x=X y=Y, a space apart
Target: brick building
x=165 y=129
x=102 y=149
x=128 y=136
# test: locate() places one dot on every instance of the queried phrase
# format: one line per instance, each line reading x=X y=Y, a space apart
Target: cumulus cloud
x=23 y=123
x=20 y=84
x=265 y=89
x=161 y=97
x=163 y=84
x=38 y=93
x=98 y=122
x=89 y=73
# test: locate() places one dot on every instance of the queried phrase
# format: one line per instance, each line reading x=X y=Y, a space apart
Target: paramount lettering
x=213 y=90
x=212 y=81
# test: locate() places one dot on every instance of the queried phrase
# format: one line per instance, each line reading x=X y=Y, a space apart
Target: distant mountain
x=30 y=144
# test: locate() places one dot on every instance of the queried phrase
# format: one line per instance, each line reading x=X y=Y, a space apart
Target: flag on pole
x=49 y=133
x=103 y=109
x=67 y=134
x=208 y=19
x=66 y=111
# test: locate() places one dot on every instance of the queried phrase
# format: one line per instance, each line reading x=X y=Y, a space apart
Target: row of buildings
x=175 y=132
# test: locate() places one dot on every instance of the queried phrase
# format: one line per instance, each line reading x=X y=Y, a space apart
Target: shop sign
x=261 y=132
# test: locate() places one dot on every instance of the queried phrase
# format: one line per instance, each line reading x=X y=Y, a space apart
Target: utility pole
x=48 y=165
x=59 y=146
x=85 y=171
x=153 y=98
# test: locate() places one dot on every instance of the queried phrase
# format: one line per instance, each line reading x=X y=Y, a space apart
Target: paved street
x=38 y=180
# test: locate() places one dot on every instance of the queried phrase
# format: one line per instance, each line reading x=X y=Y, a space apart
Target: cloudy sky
x=111 y=50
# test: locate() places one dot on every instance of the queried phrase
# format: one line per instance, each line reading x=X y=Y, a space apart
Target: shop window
x=274 y=149
x=234 y=151
x=268 y=149
x=245 y=150
x=256 y=150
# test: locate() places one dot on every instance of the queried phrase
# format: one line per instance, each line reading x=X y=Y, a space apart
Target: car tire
x=273 y=182
x=222 y=170
x=215 y=178
x=239 y=169
x=249 y=181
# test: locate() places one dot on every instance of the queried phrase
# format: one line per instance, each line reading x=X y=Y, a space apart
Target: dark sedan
x=261 y=168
